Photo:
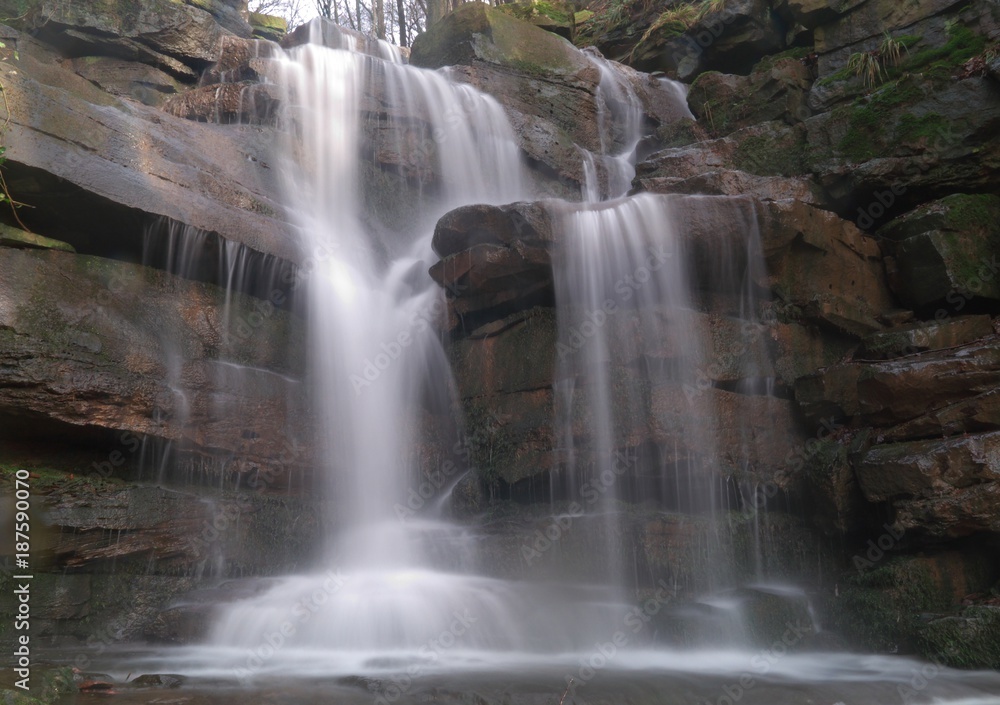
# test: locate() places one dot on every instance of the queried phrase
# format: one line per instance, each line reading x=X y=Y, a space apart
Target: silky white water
x=398 y=596
x=376 y=363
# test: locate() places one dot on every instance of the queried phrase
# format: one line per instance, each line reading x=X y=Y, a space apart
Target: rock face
x=547 y=87
x=132 y=160
x=861 y=393
x=100 y=345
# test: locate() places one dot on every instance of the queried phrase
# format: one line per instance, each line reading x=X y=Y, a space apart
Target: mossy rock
x=882 y=606
x=476 y=32
x=944 y=248
x=268 y=26
x=773 y=152
x=15 y=237
x=556 y=16
x=681 y=133
x=970 y=639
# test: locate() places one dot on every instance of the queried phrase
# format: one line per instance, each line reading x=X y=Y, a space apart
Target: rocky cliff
x=859 y=140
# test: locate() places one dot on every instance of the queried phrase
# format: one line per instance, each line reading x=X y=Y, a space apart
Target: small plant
x=891 y=50
x=680 y=18
x=867 y=66
x=872 y=66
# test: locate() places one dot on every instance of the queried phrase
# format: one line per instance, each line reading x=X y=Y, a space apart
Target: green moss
x=557 y=11
x=912 y=128
x=970 y=639
x=940 y=62
x=972 y=211
x=680 y=133
x=868 y=119
x=491 y=446
x=878 y=608
x=768 y=156
x=768 y=62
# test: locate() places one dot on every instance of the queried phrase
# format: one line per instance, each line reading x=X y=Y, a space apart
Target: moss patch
x=771 y=155
x=970 y=639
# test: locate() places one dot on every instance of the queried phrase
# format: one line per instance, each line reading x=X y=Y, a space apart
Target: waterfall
x=397 y=609
x=386 y=586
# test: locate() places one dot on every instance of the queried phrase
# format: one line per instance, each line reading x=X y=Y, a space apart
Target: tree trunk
x=402 y=23
x=378 y=10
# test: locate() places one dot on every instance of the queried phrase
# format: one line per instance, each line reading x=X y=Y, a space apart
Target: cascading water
x=377 y=363
x=397 y=595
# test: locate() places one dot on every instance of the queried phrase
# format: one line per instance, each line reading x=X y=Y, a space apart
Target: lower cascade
x=620 y=528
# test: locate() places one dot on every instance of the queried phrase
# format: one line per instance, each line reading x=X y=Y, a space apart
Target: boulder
x=726 y=39
x=944 y=252
x=812 y=13
x=910 y=141
x=268 y=26
x=869 y=21
x=475 y=32
x=930 y=468
x=549 y=89
x=942 y=487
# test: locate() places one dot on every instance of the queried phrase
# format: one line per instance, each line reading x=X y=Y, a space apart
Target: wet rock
x=773 y=91
x=895 y=391
x=824 y=265
x=184 y=32
x=132 y=159
x=132 y=79
x=732 y=182
x=15 y=237
x=245 y=103
x=831 y=392
x=945 y=251
x=908 y=142
x=924 y=469
x=835 y=497
x=799 y=350
x=468 y=226
x=927 y=335
x=546 y=86
x=89 y=342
